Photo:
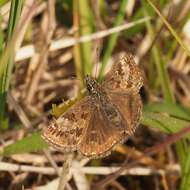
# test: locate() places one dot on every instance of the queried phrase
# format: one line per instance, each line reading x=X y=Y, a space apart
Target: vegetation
x=46 y=49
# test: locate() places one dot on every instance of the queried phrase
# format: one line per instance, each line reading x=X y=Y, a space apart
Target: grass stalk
x=5 y=76
x=83 y=52
x=65 y=172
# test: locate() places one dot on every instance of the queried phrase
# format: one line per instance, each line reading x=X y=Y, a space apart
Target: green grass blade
x=1 y=37
x=16 y=6
x=31 y=143
x=83 y=19
x=86 y=27
x=174 y=110
x=165 y=123
x=6 y=63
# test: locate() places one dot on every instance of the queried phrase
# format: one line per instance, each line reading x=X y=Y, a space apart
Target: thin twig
x=90 y=170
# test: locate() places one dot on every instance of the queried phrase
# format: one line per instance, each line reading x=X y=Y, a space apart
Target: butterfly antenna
x=97 y=57
x=96 y=64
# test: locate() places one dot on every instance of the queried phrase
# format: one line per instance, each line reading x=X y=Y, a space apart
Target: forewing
x=65 y=132
x=101 y=135
x=124 y=74
x=129 y=105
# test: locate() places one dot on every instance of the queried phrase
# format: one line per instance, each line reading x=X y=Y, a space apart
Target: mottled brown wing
x=129 y=105
x=65 y=132
x=101 y=135
x=124 y=74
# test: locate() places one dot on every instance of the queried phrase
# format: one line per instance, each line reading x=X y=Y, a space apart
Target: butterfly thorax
x=94 y=88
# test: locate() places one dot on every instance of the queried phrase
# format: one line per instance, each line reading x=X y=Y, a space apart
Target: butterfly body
x=108 y=115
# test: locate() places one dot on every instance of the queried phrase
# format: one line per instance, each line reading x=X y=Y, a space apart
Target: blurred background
x=47 y=48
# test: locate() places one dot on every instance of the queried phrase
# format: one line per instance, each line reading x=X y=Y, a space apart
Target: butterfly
x=106 y=116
